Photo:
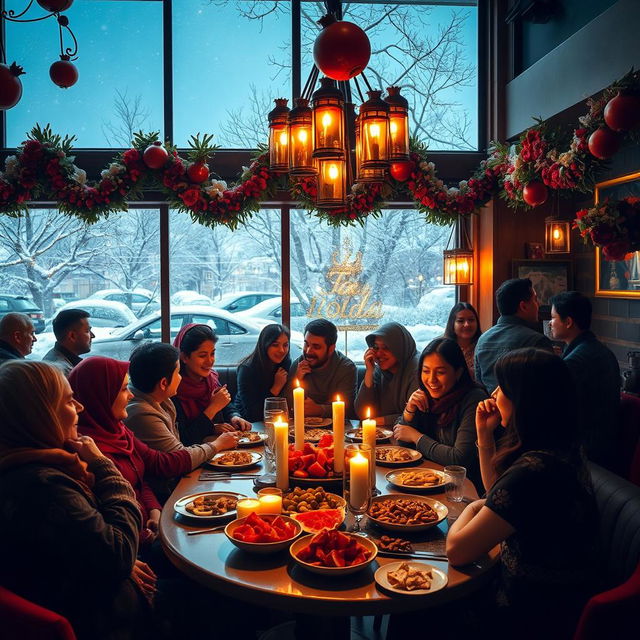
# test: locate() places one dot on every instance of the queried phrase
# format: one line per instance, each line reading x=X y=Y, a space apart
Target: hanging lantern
x=328 y=120
x=398 y=125
x=374 y=132
x=458 y=262
x=279 y=136
x=557 y=236
x=301 y=139
x=364 y=175
x=331 y=182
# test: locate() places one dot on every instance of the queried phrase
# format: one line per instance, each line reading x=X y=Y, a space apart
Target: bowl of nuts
x=406 y=513
x=300 y=500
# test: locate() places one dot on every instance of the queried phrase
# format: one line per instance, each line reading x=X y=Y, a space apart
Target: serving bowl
x=261 y=548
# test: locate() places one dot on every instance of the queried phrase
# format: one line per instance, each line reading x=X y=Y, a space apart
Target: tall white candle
x=359 y=481
x=281 y=430
x=298 y=416
x=338 y=435
x=369 y=437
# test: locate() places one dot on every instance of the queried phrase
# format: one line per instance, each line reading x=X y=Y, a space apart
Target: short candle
x=247 y=506
x=270 y=503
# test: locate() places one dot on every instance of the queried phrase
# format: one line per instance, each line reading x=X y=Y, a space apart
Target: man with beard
x=322 y=371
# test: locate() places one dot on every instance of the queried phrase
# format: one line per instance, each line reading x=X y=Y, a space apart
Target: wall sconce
x=458 y=262
x=557 y=236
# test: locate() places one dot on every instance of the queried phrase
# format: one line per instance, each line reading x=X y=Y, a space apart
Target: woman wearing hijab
x=439 y=418
x=100 y=384
x=203 y=406
x=263 y=373
x=69 y=521
x=391 y=363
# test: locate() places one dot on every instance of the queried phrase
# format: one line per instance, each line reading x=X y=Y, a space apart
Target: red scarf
x=194 y=395
x=445 y=408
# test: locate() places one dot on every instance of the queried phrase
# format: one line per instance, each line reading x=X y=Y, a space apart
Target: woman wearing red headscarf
x=203 y=407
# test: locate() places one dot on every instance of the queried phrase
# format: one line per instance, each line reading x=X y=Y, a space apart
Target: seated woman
x=463 y=326
x=440 y=415
x=100 y=384
x=69 y=521
x=202 y=405
x=391 y=363
x=263 y=373
x=539 y=507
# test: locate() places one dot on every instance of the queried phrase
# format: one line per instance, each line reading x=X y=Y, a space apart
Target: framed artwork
x=548 y=277
x=619 y=278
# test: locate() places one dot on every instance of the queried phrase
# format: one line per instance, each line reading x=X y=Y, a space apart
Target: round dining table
x=277 y=582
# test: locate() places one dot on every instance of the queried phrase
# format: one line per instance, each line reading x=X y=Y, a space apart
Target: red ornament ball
x=10 y=85
x=63 y=73
x=155 y=155
x=401 y=171
x=198 y=172
x=55 y=6
x=341 y=50
x=603 y=143
x=622 y=112
x=535 y=193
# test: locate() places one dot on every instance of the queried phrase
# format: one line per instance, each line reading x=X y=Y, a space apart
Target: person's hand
x=222 y=427
x=154 y=520
x=405 y=433
x=279 y=380
x=220 y=398
x=417 y=402
x=369 y=359
x=487 y=419
x=302 y=369
x=312 y=408
x=142 y=574
x=241 y=424
x=85 y=447
x=227 y=440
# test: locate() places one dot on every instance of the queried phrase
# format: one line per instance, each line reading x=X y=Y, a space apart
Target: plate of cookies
x=235 y=460
x=251 y=438
x=411 y=578
x=208 y=505
x=417 y=480
x=406 y=513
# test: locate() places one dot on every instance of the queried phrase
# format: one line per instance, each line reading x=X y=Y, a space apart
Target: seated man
x=322 y=371
x=595 y=370
x=17 y=335
x=73 y=334
x=518 y=305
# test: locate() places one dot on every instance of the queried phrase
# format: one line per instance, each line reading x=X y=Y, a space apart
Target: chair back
x=629 y=449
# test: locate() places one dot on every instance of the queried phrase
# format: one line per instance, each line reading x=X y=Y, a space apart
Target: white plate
x=383 y=435
x=438 y=507
x=180 y=505
x=244 y=442
x=395 y=478
x=255 y=458
x=310 y=434
x=414 y=456
x=438 y=582
x=321 y=422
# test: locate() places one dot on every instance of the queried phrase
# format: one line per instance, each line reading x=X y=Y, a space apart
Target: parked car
x=235 y=302
x=270 y=312
x=237 y=336
x=191 y=297
x=21 y=304
x=140 y=301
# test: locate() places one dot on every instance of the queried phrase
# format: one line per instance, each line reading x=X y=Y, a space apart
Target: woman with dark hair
x=463 y=326
x=539 y=506
x=264 y=372
x=203 y=407
x=439 y=418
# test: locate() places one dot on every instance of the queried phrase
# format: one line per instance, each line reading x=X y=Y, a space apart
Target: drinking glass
x=274 y=408
x=357 y=485
x=455 y=475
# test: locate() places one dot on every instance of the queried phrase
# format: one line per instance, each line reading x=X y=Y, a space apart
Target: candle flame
x=337 y=397
x=297 y=382
x=374 y=130
x=359 y=457
x=302 y=135
x=333 y=171
x=556 y=234
x=326 y=119
x=368 y=412
x=393 y=127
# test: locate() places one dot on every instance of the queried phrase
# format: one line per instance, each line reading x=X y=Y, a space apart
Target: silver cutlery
x=414 y=554
x=210 y=530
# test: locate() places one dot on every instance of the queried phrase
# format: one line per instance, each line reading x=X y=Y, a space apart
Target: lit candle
x=326 y=121
x=369 y=437
x=338 y=435
x=359 y=481
x=247 y=506
x=375 y=144
x=298 y=416
x=270 y=503
x=281 y=430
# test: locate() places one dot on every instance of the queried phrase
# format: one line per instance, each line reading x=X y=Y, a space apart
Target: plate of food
x=411 y=578
x=300 y=500
x=393 y=456
x=208 y=505
x=406 y=513
x=311 y=422
x=235 y=459
x=311 y=435
x=417 y=479
x=382 y=435
x=251 y=438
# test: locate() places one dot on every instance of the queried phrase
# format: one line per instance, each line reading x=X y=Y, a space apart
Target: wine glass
x=357 y=484
x=274 y=408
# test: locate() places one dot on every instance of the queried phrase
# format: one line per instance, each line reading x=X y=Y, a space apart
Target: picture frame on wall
x=617 y=278
x=549 y=277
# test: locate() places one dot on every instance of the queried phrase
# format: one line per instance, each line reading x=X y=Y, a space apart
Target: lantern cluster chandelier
x=322 y=136
x=62 y=72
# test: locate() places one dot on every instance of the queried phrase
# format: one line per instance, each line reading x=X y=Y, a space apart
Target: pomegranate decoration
x=603 y=143
x=342 y=49
x=535 y=193
x=198 y=172
x=10 y=85
x=622 y=112
x=401 y=171
x=55 y=6
x=63 y=72
x=155 y=155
